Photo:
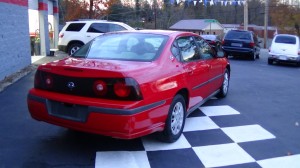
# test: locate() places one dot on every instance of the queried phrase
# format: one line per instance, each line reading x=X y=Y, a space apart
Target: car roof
x=152 y=31
x=92 y=21
x=242 y=31
x=290 y=35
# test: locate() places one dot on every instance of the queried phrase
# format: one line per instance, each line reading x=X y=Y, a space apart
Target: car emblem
x=71 y=85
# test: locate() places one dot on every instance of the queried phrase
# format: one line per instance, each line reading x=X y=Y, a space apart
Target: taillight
x=252 y=44
x=48 y=81
x=223 y=42
x=100 y=88
x=105 y=88
x=121 y=89
x=61 y=35
x=43 y=80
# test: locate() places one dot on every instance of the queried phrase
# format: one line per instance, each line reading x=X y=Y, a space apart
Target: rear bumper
x=283 y=58
x=108 y=121
x=237 y=51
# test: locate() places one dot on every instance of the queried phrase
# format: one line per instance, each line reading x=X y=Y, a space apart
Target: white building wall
x=14 y=39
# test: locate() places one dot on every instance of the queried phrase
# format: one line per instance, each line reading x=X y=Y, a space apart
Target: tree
x=285 y=17
x=73 y=9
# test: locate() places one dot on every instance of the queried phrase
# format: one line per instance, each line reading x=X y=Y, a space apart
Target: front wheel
x=175 y=121
x=225 y=85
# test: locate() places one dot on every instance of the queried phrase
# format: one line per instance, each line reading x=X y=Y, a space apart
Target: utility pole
x=246 y=15
x=91 y=9
x=266 y=23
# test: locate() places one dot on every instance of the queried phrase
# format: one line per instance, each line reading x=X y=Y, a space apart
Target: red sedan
x=130 y=84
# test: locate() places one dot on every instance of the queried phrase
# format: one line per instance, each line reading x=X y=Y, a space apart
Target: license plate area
x=67 y=111
x=282 y=57
x=236 y=44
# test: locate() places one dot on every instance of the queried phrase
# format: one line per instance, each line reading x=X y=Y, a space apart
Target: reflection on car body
x=113 y=88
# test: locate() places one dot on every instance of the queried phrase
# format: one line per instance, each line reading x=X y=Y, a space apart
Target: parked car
x=213 y=40
x=285 y=48
x=77 y=33
x=130 y=84
x=241 y=43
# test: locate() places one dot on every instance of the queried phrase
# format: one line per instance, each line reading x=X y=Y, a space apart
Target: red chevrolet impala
x=130 y=84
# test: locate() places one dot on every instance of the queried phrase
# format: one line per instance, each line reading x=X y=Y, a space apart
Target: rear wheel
x=270 y=62
x=74 y=47
x=257 y=56
x=225 y=85
x=252 y=56
x=175 y=121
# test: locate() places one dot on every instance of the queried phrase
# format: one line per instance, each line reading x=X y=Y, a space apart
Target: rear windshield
x=285 y=39
x=123 y=46
x=238 y=35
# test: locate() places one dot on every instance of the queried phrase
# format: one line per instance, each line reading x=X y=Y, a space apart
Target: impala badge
x=71 y=85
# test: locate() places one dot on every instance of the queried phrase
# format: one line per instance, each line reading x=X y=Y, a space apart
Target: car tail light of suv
x=252 y=44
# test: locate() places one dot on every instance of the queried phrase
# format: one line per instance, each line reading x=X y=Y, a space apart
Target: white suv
x=77 y=33
x=285 y=48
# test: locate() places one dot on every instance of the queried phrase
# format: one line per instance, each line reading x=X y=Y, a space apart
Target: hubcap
x=225 y=83
x=74 y=49
x=177 y=118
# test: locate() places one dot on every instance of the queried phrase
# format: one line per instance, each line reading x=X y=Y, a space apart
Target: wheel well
x=185 y=94
x=75 y=41
x=228 y=68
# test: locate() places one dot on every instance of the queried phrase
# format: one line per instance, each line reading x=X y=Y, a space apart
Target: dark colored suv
x=241 y=43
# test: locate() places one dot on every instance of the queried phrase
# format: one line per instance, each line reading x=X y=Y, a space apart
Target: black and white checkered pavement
x=214 y=136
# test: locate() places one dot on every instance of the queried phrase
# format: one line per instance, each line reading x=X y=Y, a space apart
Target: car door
x=196 y=70
x=215 y=66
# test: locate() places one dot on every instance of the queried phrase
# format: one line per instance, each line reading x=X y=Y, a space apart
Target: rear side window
x=75 y=27
x=98 y=28
x=285 y=39
x=104 y=28
x=115 y=27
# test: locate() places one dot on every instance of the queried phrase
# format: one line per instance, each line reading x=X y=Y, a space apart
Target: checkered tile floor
x=214 y=136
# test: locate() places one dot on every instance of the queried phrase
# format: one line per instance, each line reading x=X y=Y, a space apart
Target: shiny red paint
x=159 y=81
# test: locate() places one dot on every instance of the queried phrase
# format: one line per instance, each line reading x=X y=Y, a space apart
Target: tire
x=252 y=56
x=225 y=85
x=74 y=47
x=175 y=120
x=257 y=56
x=270 y=62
